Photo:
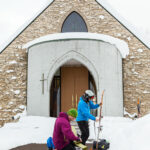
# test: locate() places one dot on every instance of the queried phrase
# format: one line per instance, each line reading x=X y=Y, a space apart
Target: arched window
x=74 y=23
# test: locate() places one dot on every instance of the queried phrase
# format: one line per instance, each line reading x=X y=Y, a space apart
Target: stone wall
x=13 y=60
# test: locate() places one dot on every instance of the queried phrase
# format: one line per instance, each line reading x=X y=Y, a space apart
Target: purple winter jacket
x=63 y=134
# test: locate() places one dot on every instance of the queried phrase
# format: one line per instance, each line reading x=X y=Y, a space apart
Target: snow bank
x=29 y=129
x=122 y=133
x=126 y=134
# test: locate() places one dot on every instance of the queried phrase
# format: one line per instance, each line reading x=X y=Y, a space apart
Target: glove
x=78 y=135
x=100 y=104
x=79 y=140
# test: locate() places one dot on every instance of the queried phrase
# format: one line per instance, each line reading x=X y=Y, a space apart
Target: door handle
x=72 y=101
x=76 y=101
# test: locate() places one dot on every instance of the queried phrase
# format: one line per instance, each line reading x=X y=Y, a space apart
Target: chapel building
x=66 y=48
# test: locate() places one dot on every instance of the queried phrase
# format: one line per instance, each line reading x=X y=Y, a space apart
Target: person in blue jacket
x=84 y=106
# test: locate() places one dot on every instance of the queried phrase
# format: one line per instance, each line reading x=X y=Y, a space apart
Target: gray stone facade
x=13 y=60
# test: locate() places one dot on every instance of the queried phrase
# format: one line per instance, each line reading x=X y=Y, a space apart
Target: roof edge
x=24 y=26
x=123 y=22
x=102 y=3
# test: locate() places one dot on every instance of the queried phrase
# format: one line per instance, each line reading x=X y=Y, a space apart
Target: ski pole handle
x=101 y=104
x=102 y=97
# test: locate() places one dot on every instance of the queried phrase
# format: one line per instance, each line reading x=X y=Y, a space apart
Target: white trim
x=121 y=45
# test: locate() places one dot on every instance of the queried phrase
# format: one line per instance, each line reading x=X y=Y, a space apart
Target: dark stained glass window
x=74 y=23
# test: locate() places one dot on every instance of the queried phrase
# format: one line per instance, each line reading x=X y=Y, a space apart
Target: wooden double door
x=74 y=81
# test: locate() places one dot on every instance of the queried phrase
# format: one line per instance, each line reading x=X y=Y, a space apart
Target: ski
x=101 y=144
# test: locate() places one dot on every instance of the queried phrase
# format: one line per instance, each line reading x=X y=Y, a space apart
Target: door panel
x=67 y=88
x=81 y=82
x=74 y=81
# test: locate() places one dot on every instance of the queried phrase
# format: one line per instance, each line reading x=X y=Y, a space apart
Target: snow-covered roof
x=23 y=27
x=103 y=3
x=124 y=22
x=121 y=45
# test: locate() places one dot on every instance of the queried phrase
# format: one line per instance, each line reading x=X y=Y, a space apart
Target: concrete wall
x=102 y=59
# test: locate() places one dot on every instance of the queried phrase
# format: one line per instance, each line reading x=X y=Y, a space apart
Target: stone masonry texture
x=13 y=60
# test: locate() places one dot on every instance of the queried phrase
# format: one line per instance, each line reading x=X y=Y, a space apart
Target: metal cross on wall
x=43 y=83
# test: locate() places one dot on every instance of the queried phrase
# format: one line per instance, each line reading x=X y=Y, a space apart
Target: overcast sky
x=14 y=13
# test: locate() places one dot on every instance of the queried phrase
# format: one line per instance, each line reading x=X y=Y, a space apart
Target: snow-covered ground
x=122 y=133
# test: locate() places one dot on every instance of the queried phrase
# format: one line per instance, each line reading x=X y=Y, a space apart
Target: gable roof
x=103 y=3
x=24 y=26
x=124 y=22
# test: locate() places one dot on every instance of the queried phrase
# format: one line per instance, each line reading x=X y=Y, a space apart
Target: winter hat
x=72 y=112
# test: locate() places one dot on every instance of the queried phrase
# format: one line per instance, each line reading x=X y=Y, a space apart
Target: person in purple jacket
x=63 y=136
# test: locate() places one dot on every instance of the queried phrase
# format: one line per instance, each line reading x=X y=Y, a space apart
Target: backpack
x=101 y=145
x=50 y=143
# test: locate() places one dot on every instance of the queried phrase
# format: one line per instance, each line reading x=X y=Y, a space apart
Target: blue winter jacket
x=84 y=110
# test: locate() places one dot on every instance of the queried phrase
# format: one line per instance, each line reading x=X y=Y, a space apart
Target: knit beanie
x=72 y=112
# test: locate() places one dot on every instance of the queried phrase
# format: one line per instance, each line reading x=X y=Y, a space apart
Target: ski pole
x=138 y=107
x=100 y=115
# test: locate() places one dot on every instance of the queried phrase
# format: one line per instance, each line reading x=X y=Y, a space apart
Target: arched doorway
x=68 y=85
x=46 y=57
